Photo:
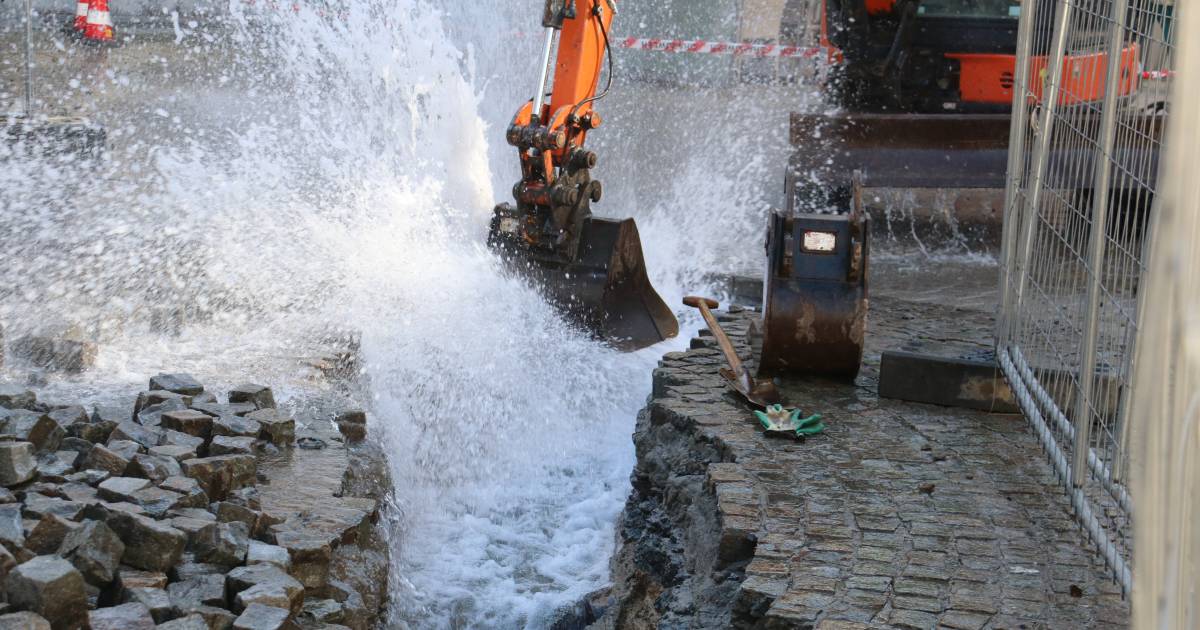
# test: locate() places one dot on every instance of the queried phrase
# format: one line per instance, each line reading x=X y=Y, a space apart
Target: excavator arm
x=550 y=136
x=592 y=268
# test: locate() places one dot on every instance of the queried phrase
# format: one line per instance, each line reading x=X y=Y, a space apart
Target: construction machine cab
x=908 y=55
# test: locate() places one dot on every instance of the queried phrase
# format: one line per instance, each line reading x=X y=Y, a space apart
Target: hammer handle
x=704 y=304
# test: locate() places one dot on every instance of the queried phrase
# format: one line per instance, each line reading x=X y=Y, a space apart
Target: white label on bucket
x=820 y=242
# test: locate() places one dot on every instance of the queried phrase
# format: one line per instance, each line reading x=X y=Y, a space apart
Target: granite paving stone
x=900 y=515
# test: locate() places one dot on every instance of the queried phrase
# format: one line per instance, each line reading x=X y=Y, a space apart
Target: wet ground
x=901 y=515
x=968 y=282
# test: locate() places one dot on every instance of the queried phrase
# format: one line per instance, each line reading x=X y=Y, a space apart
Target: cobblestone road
x=901 y=515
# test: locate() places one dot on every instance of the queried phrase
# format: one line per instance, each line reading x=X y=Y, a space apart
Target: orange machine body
x=581 y=51
x=989 y=78
x=880 y=7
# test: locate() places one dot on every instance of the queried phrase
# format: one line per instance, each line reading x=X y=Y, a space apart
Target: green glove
x=777 y=420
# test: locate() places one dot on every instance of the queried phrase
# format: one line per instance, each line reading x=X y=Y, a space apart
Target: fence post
x=1097 y=243
x=1165 y=467
x=1041 y=157
x=1016 y=159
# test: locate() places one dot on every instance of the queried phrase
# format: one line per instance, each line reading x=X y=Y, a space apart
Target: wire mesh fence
x=1090 y=104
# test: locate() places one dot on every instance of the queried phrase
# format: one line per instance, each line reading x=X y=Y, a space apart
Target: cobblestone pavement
x=901 y=515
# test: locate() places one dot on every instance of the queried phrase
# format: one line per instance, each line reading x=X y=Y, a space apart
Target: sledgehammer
x=760 y=395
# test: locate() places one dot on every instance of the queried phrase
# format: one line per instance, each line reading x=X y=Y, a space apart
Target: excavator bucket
x=815 y=292
x=605 y=289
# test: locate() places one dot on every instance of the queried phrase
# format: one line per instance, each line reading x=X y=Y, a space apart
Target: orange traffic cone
x=99 y=27
x=81 y=13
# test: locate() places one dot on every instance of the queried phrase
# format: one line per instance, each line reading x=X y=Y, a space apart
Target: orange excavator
x=592 y=268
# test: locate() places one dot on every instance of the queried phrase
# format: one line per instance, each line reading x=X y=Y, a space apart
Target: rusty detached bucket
x=815 y=292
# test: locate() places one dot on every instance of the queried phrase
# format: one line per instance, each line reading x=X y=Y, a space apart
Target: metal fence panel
x=1089 y=112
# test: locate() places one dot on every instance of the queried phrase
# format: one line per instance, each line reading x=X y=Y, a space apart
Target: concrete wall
x=761 y=18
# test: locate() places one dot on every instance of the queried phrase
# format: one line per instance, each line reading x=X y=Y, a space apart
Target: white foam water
x=339 y=165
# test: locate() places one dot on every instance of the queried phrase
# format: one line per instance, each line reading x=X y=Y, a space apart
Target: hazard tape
x=1158 y=74
x=702 y=47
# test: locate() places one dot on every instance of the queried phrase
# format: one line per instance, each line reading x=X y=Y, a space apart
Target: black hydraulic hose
x=908 y=20
x=608 y=52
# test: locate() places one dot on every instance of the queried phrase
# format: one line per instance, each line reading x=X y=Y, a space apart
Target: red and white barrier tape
x=1158 y=74
x=719 y=48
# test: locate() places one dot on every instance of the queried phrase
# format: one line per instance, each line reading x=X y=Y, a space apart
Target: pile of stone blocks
x=151 y=517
